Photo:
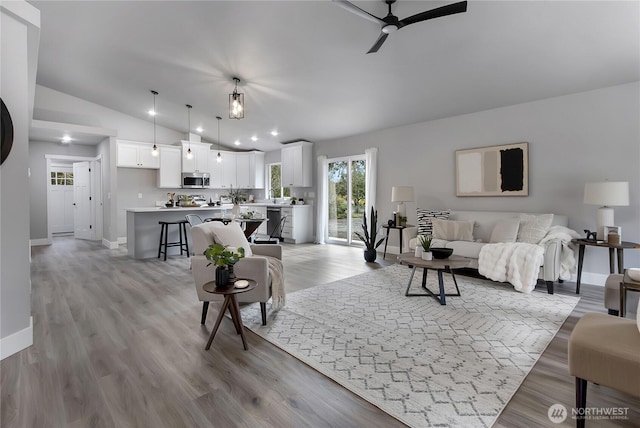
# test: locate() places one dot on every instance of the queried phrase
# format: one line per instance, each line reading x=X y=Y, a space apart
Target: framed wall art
x=493 y=171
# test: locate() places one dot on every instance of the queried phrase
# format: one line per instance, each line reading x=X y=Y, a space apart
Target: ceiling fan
x=390 y=23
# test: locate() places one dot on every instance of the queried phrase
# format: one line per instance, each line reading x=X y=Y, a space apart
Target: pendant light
x=236 y=103
x=219 y=156
x=154 y=151
x=189 y=154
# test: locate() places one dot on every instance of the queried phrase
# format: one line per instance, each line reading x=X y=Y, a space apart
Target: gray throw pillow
x=505 y=230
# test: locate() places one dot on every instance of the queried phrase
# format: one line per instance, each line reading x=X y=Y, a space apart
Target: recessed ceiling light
x=66 y=139
x=152 y=112
x=254 y=138
x=199 y=129
x=237 y=142
x=274 y=133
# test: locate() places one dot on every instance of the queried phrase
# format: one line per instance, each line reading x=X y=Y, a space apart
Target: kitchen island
x=143 y=230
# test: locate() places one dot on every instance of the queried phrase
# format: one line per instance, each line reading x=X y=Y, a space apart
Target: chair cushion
x=424 y=219
x=451 y=230
x=534 y=227
x=505 y=230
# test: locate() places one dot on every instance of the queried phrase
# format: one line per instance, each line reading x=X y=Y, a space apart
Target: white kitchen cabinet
x=250 y=170
x=199 y=161
x=297 y=164
x=298 y=227
x=223 y=174
x=132 y=154
x=170 y=173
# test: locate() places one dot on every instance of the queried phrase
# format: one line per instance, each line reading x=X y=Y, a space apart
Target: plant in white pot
x=369 y=237
x=425 y=243
x=223 y=258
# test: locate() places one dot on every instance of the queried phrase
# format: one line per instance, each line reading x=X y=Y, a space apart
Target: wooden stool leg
x=225 y=305
x=160 y=244
x=186 y=240
x=166 y=236
x=244 y=339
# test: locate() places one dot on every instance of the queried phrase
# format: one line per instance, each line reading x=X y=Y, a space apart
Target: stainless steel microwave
x=195 y=180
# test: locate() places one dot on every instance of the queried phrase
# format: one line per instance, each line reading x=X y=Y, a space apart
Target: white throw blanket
x=515 y=262
x=277 y=283
x=567 y=254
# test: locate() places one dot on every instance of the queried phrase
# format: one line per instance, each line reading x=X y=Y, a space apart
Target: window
x=59 y=178
x=274 y=182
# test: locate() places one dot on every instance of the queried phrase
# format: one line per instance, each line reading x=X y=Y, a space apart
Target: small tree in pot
x=223 y=258
x=369 y=236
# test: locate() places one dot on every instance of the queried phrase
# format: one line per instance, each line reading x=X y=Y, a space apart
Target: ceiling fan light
x=388 y=29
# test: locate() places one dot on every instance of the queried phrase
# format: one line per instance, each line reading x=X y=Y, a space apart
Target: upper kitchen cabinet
x=169 y=174
x=199 y=162
x=223 y=173
x=131 y=154
x=296 y=164
x=250 y=170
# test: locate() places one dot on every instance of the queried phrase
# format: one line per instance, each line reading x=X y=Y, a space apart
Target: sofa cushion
x=451 y=230
x=505 y=230
x=534 y=227
x=424 y=219
x=464 y=248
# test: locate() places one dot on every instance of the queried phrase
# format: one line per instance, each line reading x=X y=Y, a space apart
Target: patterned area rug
x=425 y=364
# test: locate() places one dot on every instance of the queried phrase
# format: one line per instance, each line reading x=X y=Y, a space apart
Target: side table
x=627 y=284
x=386 y=240
x=613 y=249
x=230 y=302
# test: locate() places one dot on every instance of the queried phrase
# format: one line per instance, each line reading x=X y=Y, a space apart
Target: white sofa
x=484 y=222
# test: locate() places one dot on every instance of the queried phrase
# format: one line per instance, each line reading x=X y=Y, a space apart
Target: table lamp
x=402 y=194
x=606 y=194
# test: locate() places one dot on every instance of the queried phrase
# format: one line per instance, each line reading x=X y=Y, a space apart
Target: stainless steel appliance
x=195 y=180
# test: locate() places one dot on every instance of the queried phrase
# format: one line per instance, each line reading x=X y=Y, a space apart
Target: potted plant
x=369 y=236
x=425 y=243
x=223 y=258
x=293 y=200
x=236 y=197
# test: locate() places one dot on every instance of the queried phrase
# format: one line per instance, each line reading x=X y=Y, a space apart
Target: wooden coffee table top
x=451 y=262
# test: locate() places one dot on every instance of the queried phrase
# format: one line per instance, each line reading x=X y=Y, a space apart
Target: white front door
x=82 y=201
x=61 y=199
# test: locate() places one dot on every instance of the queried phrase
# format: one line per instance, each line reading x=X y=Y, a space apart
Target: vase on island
x=235 y=210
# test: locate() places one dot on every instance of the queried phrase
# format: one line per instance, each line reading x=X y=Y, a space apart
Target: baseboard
x=110 y=245
x=122 y=240
x=37 y=242
x=17 y=341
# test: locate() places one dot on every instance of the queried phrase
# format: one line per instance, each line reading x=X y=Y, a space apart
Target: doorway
x=346 y=202
x=74 y=197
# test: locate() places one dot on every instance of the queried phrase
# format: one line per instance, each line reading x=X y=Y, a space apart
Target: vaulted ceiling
x=303 y=64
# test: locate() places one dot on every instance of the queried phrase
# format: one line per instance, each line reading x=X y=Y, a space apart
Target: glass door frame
x=349 y=239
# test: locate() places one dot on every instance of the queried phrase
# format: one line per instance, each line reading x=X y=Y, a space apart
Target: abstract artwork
x=493 y=171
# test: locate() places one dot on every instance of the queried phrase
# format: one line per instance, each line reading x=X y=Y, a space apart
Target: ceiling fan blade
x=378 y=43
x=438 y=12
x=360 y=12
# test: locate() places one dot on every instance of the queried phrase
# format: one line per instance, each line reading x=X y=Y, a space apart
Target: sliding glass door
x=346 y=198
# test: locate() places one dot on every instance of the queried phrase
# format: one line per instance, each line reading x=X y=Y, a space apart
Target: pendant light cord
x=189 y=125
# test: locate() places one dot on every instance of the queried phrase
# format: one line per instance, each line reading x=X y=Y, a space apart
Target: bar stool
x=164 y=234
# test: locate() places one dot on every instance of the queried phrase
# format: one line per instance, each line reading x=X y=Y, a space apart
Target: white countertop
x=181 y=209
x=271 y=205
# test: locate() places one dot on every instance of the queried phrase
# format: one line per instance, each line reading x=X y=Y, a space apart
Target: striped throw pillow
x=425 y=227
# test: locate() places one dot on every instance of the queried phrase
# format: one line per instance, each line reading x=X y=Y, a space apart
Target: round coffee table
x=439 y=265
x=230 y=302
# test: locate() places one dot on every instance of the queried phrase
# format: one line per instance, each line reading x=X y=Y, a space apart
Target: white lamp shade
x=607 y=193
x=401 y=194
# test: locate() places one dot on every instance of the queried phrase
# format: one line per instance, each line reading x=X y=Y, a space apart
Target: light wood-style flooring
x=118 y=343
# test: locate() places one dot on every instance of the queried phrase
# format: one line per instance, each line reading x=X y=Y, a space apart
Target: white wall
x=19 y=37
x=589 y=136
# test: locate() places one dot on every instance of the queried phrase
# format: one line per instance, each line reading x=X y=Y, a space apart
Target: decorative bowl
x=441 y=253
x=634 y=273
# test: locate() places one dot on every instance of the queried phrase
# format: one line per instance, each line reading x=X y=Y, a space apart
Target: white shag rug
x=425 y=364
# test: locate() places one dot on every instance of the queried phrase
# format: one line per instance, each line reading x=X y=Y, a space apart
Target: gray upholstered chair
x=605 y=350
x=254 y=267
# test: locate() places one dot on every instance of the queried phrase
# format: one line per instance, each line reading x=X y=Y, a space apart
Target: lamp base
x=402 y=209
x=605 y=218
